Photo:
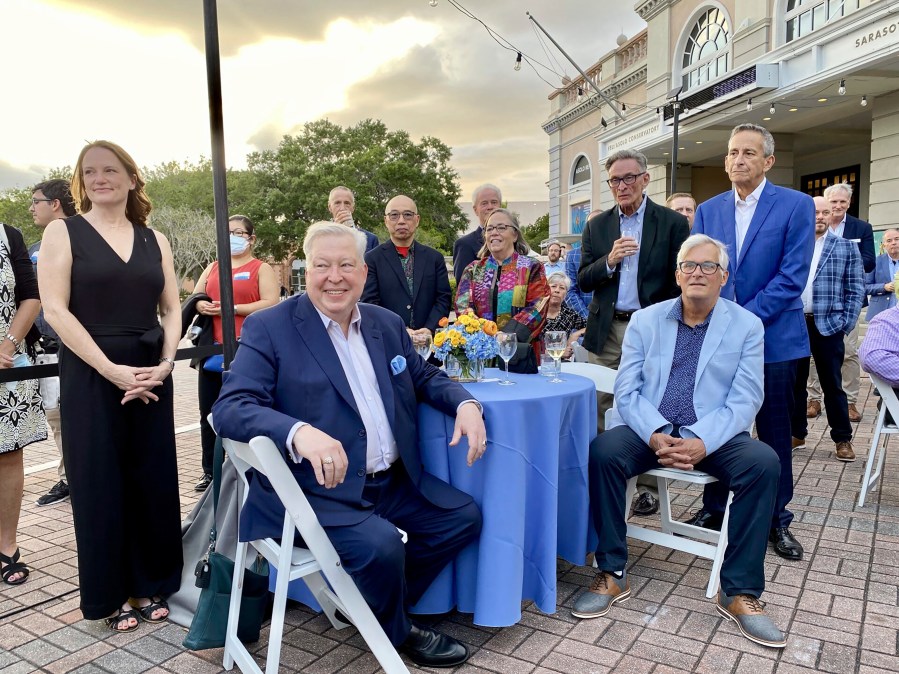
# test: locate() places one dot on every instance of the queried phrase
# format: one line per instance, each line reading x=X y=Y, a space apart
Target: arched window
x=804 y=16
x=707 y=50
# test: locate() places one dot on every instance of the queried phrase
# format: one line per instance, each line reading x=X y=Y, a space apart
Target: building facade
x=821 y=75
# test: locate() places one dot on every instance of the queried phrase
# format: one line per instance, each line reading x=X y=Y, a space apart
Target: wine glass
x=556 y=341
x=423 y=345
x=508 y=342
x=628 y=263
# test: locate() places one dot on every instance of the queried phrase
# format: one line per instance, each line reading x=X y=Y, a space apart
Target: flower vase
x=463 y=369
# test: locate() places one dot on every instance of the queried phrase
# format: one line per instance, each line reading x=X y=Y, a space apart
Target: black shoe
x=785 y=544
x=646 y=504
x=204 y=482
x=429 y=648
x=705 y=519
x=58 y=492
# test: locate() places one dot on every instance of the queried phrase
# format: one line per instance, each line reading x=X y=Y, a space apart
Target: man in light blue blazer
x=879 y=282
x=688 y=389
x=769 y=237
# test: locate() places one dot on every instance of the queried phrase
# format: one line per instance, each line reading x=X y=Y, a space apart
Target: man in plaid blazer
x=832 y=301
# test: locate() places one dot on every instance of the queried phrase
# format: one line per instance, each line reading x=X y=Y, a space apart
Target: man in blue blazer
x=879 y=284
x=485 y=199
x=406 y=276
x=769 y=238
x=832 y=301
x=335 y=383
x=687 y=391
x=859 y=232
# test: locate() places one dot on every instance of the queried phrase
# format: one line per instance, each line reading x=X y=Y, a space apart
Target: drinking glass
x=555 y=342
x=508 y=342
x=547 y=366
x=629 y=263
x=423 y=345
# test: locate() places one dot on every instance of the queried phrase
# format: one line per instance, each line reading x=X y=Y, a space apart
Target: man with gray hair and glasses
x=485 y=199
x=687 y=391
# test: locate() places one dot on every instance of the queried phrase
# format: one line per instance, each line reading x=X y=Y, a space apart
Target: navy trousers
x=392 y=576
x=773 y=426
x=745 y=466
x=828 y=353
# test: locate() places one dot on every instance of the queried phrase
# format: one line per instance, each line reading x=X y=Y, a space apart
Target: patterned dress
x=22 y=419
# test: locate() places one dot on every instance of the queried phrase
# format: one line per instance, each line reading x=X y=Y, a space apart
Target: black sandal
x=13 y=566
x=146 y=612
x=123 y=617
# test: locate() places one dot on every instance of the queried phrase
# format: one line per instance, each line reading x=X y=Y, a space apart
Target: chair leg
x=881 y=457
x=231 y=640
x=872 y=457
x=629 y=496
x=718 y=561
x=665 y=504
x=276 y=629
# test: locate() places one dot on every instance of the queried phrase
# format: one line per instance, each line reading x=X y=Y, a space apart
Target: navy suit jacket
x=386 y=285
x=371 y=241
x=874 y=282
x=861 y=233
x=772 y=269
x=288 y=371
x=465 y=251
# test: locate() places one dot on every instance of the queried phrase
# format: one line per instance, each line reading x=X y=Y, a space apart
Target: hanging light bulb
x=433 y=3
x=771 y=109
x=749 y=105
x=518 y=62
x=864 y=101
x=842 y=89
x=658 y=110
x=623 y=107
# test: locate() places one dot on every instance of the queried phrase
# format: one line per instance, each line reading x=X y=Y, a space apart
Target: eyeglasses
x=35 y=202
x=394 y=216
x=498 y=228
x=707 y=268
x=240 y=233
x=629 y=179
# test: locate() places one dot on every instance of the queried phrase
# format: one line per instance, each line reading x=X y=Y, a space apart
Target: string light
x=749 y=105
x=864 y=101
x=623 y=107
x=842 y=89
x=771 y=109
x=602 y=121
x=518 y=62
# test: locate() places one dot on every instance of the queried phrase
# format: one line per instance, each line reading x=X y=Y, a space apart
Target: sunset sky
x=134 y=73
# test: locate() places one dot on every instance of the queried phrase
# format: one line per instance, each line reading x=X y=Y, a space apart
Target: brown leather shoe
x=813 y=411
x=798 y=443
x=844 y=452
x=854 y=414
x=747 y=612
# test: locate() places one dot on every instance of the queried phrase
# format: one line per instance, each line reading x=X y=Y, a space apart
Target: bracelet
x=170 y=361
x=15 y=341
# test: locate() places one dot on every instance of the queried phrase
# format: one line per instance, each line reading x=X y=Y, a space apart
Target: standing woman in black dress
x=104 y=276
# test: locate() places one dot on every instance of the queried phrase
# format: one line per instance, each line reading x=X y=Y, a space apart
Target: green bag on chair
x=214 y=575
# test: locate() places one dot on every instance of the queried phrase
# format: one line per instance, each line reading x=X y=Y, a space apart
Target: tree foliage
x=191 y=233
x=537 y=232
x=376 y=164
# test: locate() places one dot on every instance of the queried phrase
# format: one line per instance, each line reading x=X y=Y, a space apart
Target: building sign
x=636 y=138
x=887 y=29
x=581 y=171
x=579 y=213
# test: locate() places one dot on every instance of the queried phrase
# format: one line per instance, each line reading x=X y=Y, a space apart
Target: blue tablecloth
x=531 y=486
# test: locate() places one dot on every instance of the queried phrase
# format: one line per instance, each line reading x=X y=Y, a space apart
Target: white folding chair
x=602 y=376
x=319 y=557
x=882 y=432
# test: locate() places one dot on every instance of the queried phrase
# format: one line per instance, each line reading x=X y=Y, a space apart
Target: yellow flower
x=472 y=328
x=439 y=338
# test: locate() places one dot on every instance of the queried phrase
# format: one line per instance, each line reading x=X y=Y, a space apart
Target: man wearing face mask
x=255 y=287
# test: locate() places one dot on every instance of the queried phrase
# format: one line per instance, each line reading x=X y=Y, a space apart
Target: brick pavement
x=840 y=605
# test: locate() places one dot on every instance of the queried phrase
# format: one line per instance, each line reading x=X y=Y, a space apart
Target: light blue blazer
x=729 y=384
x=874 y=282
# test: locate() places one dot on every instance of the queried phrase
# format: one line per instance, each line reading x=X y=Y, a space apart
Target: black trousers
x=392 y=576
x=828 y=353
x=773 y=426
x=209 y=385
x=745 y=466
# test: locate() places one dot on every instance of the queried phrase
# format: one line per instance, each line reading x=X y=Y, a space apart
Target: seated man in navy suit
x=687 y=391
x=336 y=384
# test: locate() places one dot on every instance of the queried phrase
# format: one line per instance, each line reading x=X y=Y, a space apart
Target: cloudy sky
x=134 y=73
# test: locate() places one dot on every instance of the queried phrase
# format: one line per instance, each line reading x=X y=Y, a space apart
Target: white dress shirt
x=840 y=228
x=744 y=210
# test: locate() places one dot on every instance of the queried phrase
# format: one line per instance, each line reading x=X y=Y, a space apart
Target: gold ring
x=327 y=461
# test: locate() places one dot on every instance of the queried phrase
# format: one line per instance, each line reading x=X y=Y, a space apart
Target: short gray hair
x=324 y=228
x=486 y=186
x=696 y=240
x=559 y=277
x=846 y=187
x=639 y=157
x=767 y=138
x=342 y=188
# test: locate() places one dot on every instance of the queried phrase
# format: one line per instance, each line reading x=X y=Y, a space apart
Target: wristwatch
x=170 y=361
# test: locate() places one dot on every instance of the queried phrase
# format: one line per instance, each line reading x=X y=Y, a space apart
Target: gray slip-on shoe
x=748 y=614
x=598 y=599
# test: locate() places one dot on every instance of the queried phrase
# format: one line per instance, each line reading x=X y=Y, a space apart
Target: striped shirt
x=879 y=351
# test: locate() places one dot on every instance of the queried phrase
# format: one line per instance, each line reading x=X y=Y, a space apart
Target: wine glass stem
x=558 y=366
x=506 y=378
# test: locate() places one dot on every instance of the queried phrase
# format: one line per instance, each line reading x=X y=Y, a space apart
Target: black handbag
x=214 y=574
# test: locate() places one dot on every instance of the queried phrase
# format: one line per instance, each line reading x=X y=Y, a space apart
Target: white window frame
x=679 y=72
x=846 y=7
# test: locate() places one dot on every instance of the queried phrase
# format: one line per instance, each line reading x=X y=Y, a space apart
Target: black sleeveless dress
x=120 y=459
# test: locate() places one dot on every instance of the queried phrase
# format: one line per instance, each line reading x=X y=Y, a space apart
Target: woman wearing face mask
x=255 y=287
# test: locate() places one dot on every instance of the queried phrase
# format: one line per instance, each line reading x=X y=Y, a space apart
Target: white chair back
x=882 y=432
x=602 y=376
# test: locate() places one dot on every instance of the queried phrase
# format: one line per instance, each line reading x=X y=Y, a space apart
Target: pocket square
x=397 y=365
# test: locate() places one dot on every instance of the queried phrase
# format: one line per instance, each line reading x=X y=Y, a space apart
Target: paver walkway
x=839 y=605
